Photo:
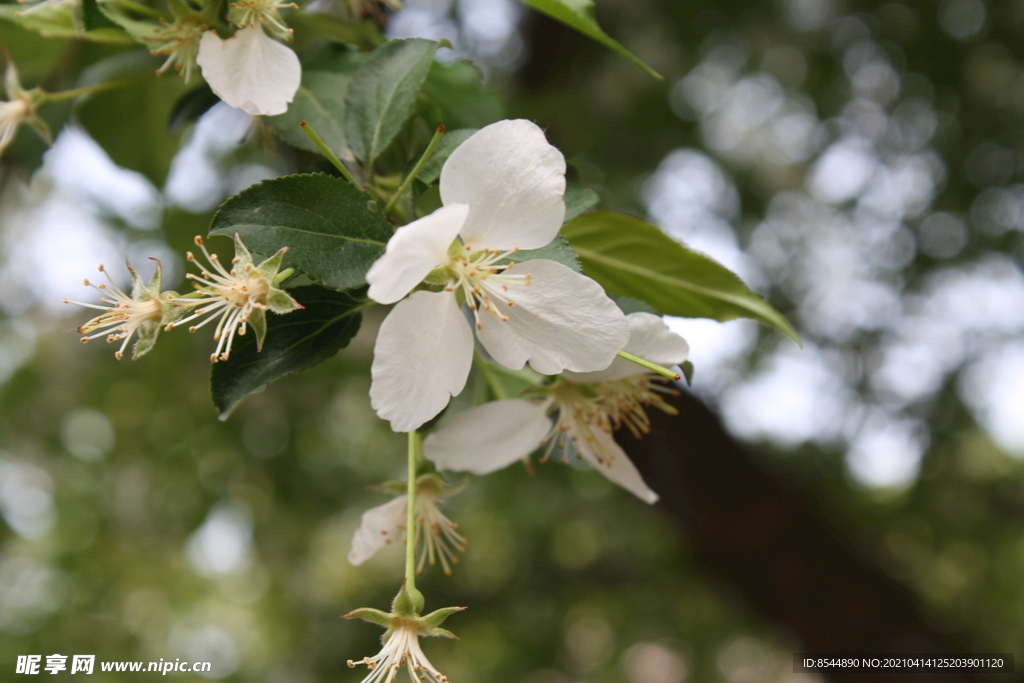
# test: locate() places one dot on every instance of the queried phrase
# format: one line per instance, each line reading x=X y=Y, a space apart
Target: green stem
x=489 y=377
x=283 y=275
x=415 y=441
x=654 y=367
x=87 y=90
x=438 y=134
x=141 y=9
x=322 y=146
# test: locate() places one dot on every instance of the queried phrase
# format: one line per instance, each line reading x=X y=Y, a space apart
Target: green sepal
x=156 y=282
x=244 y=255
x=279 y=301
x=148 y=333
x=374 y=616
x=443 y=632
x=429 y=623
x=687 y=368
x=271 y=266
x=437 y=484
x=394 y=486
x=138 y=286
x=405 y=603
x=258 y=322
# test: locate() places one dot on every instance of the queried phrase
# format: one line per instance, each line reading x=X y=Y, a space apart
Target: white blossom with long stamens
x=141 y=313
x=236 y=299
x=577 y=413
x=436 y=538
x=503 y=190
x=179 y=41
x=262 y=12
x=401 y=650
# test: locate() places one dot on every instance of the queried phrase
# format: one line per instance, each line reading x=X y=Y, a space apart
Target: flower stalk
x=438 y=134
x=331 y=156
x=653 y=367
x=415 y=446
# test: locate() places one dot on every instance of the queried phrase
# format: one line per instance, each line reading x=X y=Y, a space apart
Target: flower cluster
x=459 y=276
x=460 y=273
x=237 y=298
x=502 y=191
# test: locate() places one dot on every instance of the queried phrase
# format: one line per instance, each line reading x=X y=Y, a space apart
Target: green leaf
x=457 y=89
x=320 y=101
x=332 y=234
x=579 y=199
x=327 y=72
x=579 y=14
x=431 y=170
x=144 y=31
x=333 y=56
x=382 y=94
x=629 y=257
x=93 y=17
x=295 y=341
x=58 y=21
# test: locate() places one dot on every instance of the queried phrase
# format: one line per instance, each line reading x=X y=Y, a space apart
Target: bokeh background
x=859 y=163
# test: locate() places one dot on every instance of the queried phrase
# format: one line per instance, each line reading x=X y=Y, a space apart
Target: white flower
x=401 y=649
x=578 y=411
x=502 y=190
x=250 y=70
x=435 y=537
x=143 y=313
x=21 y=108
x=237 y=299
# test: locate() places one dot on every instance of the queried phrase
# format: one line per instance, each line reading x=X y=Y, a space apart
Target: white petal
x=413 y=251
x=422 y=357
x=650 y=339
x=514 y=183
x=380 y=526
x=562 y=320
x=250 y=70
x=487 y=438
x=610 y=460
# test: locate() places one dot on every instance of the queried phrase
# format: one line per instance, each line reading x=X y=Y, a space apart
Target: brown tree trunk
x=751 y=531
